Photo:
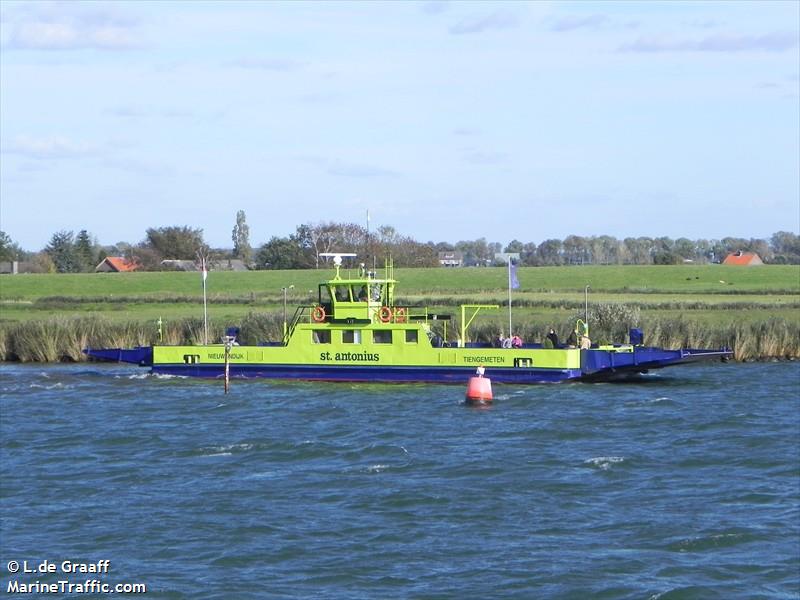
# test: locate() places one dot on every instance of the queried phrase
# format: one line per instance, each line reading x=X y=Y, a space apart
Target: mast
x=509 y=297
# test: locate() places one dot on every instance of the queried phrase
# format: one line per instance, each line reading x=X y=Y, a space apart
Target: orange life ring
x=318 y=314
x=385 y=314
x=400 y=315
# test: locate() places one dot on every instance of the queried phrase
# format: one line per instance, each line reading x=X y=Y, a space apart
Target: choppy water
x=685 y=486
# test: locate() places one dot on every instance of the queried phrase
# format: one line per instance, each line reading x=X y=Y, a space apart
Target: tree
x=334 y=237
x=476 y=252
x=322 y=238
x=786 y=247
x=606 y=250
x=180 y=243
x=8 y=250
x=639 y=250
x=514 y=246
x=42 y=263
x=576 y=250
x=279 y=253
x=549 y=252
x=61 y=250
x=528 y=255
x=145 y=257
x=732 y=244
x=442 y=246
x=84 y=252
x=685 y=248
x=241 y=239
x=762 y=248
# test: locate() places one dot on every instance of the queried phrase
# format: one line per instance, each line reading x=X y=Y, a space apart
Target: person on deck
x=553 y=337
x=572 y=340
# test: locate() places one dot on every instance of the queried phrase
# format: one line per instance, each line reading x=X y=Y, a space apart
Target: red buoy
x=479 y=390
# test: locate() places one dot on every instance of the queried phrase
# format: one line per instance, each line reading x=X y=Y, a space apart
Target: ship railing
x=299 y=314
x=467 y=318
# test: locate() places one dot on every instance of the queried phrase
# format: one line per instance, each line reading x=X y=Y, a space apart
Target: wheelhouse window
x=342 y=293
x=321 y=336
x=411 y=336
x=382 y=336
x=351 y=336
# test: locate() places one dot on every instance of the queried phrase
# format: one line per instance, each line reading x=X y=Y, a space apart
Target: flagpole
x=205 y=305
x=509 y=297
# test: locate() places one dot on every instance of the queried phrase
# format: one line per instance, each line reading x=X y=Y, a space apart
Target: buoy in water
x=479 y=390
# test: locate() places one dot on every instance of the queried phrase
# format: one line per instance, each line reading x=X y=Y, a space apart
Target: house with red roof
x=743 y=259
x=115 y=264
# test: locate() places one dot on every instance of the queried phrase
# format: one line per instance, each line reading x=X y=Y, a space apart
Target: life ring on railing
x=385 y=314
x=400 y=315
x=318 y=314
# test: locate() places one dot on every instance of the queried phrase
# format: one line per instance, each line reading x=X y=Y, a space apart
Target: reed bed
x=773 y=338
x=62 y=339
x=575 y=304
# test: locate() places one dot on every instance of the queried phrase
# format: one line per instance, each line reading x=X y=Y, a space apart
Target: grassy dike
x=755 y=311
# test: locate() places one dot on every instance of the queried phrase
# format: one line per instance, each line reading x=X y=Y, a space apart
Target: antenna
x=337 y=258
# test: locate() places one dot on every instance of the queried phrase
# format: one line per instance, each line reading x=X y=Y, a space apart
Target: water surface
x=686 y=485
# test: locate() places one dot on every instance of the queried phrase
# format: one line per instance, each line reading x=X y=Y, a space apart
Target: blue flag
x=513 y=282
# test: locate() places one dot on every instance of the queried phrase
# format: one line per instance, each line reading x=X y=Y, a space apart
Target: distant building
x=224 y=264
x=115 y=264
x=180 y=265
x=504 y=257
x=230 y=264
x=10 y=267
x=451 y=259
x=744 y=259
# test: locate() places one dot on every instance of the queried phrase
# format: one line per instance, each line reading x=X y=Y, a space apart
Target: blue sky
x=447 y=120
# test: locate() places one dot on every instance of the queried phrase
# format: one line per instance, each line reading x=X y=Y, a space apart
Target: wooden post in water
x=227 y=365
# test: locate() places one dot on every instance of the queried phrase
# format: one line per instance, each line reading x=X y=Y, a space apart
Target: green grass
x=777 y=279
x=747 y=293
x=711 y=302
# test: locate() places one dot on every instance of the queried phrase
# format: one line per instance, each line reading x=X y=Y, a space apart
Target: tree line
x=303 y=249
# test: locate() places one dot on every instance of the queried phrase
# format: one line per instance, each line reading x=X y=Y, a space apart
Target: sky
x=446 y=120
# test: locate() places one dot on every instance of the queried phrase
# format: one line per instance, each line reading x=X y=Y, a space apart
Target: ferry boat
x=357 y=332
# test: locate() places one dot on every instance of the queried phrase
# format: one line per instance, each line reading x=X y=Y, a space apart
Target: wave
x=713 y=541
x=604 y=462
x=55 y=386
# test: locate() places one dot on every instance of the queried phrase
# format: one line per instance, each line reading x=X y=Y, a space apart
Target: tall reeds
x=771 y=338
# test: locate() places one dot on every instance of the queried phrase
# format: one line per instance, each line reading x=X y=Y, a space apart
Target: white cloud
x=359 y=170
x=70 y=26
x=140 y=167
x=771 y=42
x=572 y=22
x=53 y=147
x=267 y=64
x=483 y=157
x=481 y=24
x=434 y=7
